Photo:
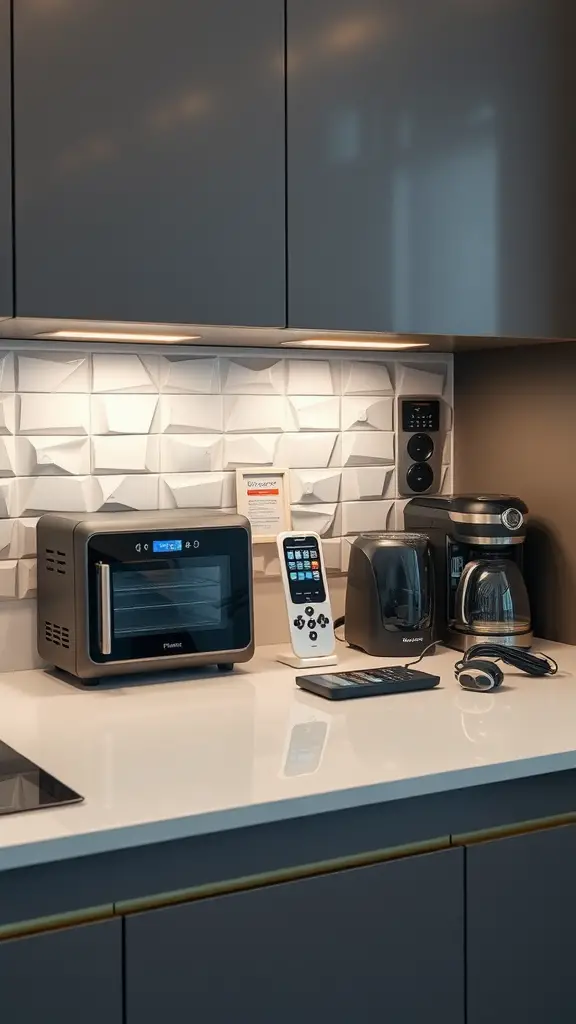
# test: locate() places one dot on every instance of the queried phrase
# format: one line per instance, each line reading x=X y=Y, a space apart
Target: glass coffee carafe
x=492 y=603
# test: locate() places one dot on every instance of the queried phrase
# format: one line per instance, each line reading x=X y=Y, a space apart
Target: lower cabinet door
x=521 y=910
x=383 y=942
x=73 y=976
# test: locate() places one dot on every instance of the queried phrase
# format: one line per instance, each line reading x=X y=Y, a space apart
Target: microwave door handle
x=464 y=584
x=104 y=608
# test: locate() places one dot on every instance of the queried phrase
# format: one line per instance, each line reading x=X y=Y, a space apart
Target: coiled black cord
x=532 y=664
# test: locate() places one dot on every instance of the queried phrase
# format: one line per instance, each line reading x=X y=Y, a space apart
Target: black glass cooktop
x=26 y=787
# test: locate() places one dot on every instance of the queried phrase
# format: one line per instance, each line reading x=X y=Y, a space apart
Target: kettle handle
x=463 y=590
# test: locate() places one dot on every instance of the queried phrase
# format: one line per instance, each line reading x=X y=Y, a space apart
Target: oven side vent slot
x=56 y=634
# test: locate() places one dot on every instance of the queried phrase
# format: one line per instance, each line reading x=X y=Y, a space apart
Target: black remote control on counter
x=372 y=682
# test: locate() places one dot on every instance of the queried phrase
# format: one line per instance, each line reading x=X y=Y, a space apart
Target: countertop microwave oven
x=144 y=591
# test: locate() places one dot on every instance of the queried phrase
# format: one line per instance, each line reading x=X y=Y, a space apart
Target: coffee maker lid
x=473 y=504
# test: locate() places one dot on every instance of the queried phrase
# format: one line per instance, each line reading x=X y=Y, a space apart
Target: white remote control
x=306 y=592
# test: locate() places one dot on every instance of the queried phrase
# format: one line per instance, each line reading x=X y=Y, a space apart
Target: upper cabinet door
x=432 y=166
x=5 y=164
x=149 y=160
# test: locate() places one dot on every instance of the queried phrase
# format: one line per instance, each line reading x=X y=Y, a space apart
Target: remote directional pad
x=299 y=622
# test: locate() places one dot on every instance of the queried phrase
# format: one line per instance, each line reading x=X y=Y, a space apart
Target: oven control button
x=138 y=548
x=145 y=547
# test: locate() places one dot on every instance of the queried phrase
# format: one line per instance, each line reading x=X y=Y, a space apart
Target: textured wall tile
x=9 y=406
x=8 y=498
x=446 y=485
x=366 y=378
x=321 y=519
x=248 y=450
x=124 y=414
x=365 y=516
x=7 y=375
x=265 y=560
x=8 y=538
x=331 y=550
x=134 y=453
x=35 y=495
x=308 y=451
x=258 y=414
x=198 y=490
x=253 y=376
x=313 y=377
x=120 y=493
x=125 y=372
x=313 y=486
x=24 y=542
x=191 y=414
x=447 y=450
x=311 y=412
x=8 y=580
x=26 y=584
x=54 y=414
x=51 y=372
x=191 y=453
x=52 y=456
x=365 y=483
x=367 y=448
x=360 y=413
x=8 y=456
x=421 y=378
x=346 y=543
x=189 y=375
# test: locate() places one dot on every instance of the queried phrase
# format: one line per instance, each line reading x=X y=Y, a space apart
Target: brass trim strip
x=508 y=831
x=167 y=899
x=56 y=922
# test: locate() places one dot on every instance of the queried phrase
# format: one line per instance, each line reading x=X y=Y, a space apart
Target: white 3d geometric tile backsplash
x=89 y=431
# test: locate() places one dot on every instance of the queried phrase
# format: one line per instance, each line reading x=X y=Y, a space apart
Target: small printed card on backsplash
x=264 y=499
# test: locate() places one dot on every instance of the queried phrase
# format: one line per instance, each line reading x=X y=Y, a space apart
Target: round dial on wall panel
x=419 y=477
x=420 y=447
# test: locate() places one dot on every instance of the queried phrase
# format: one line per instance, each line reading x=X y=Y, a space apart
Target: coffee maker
x=478 y=547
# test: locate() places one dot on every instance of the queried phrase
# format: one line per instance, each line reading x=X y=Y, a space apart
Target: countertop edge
x=50 y=851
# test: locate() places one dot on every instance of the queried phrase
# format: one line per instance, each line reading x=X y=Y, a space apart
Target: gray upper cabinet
x=149 y=160
x=63 y=977
x=432 y=166
x=382 y=943
x=5 y=164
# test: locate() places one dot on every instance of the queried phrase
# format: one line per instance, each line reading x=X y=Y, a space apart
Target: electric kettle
x=492 y=604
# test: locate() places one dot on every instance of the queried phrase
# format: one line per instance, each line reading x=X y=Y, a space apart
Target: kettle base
x=464 y=641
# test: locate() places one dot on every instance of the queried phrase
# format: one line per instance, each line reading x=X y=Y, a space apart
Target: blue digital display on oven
x=161 y=547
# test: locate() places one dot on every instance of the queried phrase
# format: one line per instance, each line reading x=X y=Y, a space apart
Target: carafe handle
x=463 y=591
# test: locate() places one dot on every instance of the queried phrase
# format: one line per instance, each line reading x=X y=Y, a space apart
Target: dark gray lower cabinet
x=63 y=977
x=521 y=909
x=383 y=942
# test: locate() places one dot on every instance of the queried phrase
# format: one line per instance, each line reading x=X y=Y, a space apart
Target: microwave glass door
x=155 y=596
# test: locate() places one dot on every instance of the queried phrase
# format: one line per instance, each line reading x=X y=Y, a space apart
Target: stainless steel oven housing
x=90 y=565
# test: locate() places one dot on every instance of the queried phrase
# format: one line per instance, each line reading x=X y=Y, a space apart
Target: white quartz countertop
x=206 y=753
